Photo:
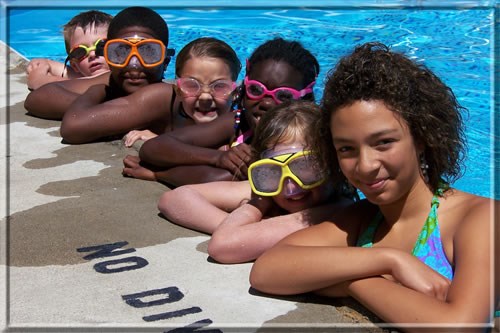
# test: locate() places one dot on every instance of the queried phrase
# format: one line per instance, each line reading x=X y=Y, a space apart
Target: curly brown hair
x=415 y=93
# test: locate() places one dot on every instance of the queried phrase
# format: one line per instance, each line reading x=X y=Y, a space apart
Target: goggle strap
x=65 y=66
x=308 y=89
x=99 y=48
x=169 y=52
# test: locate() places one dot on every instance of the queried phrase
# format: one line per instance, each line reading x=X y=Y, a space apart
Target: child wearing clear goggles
x=287 y=191
x=82 y=34
x=206 y=69
x=220 y=149
x=136 y=103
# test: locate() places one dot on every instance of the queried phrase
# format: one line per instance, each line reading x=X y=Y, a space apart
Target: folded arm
x=192 y=145
x=203 y=207
x=52 y=100
x=91 y=118
x=244 y=235
x=323 y=262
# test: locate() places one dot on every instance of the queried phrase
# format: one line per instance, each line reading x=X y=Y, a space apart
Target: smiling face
x=375 y=150
x=134 y=76
x=90 y=65
x=292 y=197
x=273 y=74
x=205 y=107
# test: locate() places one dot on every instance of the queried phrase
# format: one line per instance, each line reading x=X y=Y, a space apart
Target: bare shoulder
x=341 y=229
x=81 y=84
x=463 y=206
x=354 y=216
x=467 y=215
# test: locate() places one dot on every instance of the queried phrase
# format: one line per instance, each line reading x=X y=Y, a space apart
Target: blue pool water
x=455 y=42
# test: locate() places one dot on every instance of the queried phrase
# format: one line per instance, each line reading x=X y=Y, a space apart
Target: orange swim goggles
x=150 y=52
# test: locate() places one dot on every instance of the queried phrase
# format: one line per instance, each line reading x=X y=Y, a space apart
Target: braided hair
x=279 y=50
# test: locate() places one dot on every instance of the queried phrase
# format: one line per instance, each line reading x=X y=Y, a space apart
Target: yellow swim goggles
x=267 y=175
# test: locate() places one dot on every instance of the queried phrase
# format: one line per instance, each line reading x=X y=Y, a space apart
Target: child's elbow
x=222 y=250
x=217 y=250
x=71 y=132
x=257 y=278
x=164 y=203
x=33 y=104
x=28 y=102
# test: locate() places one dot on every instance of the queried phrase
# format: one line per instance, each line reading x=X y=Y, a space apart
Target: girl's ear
x=419 y=147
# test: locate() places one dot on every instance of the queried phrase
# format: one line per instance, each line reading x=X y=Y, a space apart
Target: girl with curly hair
x=415 y=250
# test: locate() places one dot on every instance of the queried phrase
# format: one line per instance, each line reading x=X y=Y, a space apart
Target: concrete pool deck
x=69 y=207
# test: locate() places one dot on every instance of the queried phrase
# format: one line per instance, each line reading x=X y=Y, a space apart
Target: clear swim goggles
x=267 y=176
x=191 y=87
x=150 y=52
x=257 y=90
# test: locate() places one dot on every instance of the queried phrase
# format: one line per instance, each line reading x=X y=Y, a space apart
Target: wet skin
x=134 y=76
x=205 y=107
x=91 y=65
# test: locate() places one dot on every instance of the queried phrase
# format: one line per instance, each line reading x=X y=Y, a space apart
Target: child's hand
x=133 y=168
x=38 y=75
x=35 y=63
x=131 y=137
x=414 y=274
x=236 y=161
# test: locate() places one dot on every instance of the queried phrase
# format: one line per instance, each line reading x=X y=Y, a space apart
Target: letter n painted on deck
x=105 y=250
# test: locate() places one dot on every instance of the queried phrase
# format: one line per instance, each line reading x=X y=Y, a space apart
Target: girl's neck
x=414 y=203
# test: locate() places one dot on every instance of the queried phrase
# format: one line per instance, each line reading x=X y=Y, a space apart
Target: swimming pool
x=454 y=41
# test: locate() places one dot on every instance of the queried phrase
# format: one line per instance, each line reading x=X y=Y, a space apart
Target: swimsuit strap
x=429 y=225
x=431 y=222
x=242 y=138
x=429 y=246
x=366 y=238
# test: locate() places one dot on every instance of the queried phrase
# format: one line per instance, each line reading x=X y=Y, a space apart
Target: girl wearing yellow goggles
x=286 y=191
x=274 y=173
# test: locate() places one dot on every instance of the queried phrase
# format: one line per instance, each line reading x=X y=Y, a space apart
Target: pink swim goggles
x=257 y=90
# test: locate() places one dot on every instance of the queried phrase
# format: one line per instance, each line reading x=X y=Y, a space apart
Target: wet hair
x=212 y=48
x=410 y=90
x=280 y=50
x=141 y=17
x=287 y=121
x=291 y=52
x=85 y=20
